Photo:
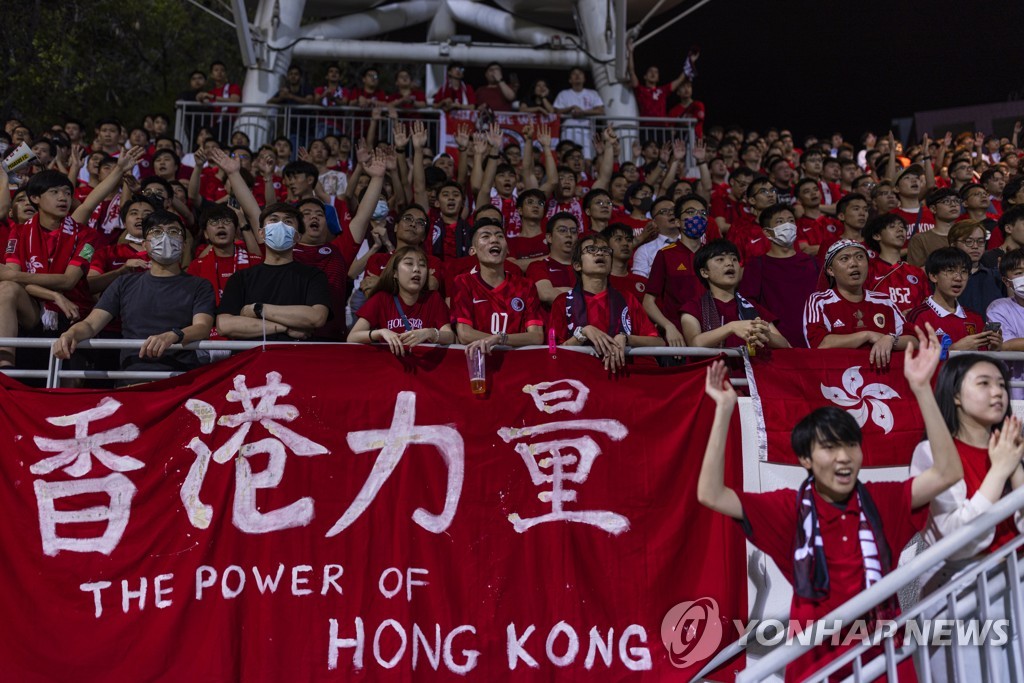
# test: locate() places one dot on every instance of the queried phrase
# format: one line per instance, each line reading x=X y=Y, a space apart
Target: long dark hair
x=388 y=281
x=951 y=379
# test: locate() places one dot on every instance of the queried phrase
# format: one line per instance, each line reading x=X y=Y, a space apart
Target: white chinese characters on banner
x=245 y=515
x=75 y=458
x=392 y=443
x=562 y=455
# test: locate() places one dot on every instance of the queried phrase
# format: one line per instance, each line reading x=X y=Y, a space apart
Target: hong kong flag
x=789 y=384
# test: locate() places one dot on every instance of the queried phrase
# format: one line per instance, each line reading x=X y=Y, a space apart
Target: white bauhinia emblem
x=859 y=399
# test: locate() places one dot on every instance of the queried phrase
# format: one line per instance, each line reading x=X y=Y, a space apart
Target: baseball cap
x=916 y=169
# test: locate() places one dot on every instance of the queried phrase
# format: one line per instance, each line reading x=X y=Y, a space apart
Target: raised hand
x=401 y=135
x=376 y=165
x=129 y=157
x=363 y=153
x=480 y=144
x=495 y=136
x=718 y=386
x=390 y=157
x=1005 y=446
x=303 y=155
x=544 y=135
x=419 y=134
x=666 y=152
x=919 y=363
x=229 y=165
x=462 y=132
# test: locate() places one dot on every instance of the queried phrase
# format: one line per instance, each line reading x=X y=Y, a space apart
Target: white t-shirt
x=643 y=257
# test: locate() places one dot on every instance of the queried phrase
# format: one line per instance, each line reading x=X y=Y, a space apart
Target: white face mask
x=1018 y=286
x=784 y=235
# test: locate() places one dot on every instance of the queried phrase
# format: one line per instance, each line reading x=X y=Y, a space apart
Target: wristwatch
x=177 y=332
x=580 y=337
x=257 y=310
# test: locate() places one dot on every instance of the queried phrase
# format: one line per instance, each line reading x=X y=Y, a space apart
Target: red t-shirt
x=630 y=282
x=770 y=522
x=327 y=97
x=960 y=324
x=464 y=94
x=652 y=102
x=259 y=189
x=492 y=96
x=905 y=284
x=51 y=252
x=815 y=230
x=428 y=312
x=226 y=90
x=829 y=313
x=218 y=269
x=210 y=186
x=923 y=220
x=729 y=311
x=725 y=207
x=417 y=96
x=638 y=224
x=672 y=280
x=377 y=95
x=113 y=256
x=599 y=315
x=510 y=307
x=376 y=264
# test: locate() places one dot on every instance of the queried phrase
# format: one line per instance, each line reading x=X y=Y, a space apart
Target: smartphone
x=994 y=327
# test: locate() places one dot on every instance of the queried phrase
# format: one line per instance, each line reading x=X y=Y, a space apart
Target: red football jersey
x=558 y=274
x=652 y=102
x=694 y=110
x=959 y=324
x=382 y=313
x=527 y=247
x=630 y=283
x=329 y=259
x=210 y=186
x=218 y=269
x=113 y=256
x=37 y=250
x=634 y=319
x=814 y=231
x=672 y=280
x=829 y=313
x=905 y=284
x=376 y=264
x=510 y=307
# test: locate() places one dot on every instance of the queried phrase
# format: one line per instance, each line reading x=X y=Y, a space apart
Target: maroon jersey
x=905 y=284
x=511 y=307
x=217 y=270
x=829 y=313
x=51 y=252
x=633 y=320
x=782 y=285
x=328 y=259
x=113 y=256
x=957 y=324
x=382 y=313
x=672 y=280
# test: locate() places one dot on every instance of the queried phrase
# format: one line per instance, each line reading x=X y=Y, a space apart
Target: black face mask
x=644 y=205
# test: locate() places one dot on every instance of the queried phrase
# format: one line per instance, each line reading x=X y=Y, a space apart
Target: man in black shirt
x=279 y=298
x=161 y=305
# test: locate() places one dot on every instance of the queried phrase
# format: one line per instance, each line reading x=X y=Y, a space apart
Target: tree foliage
x=92 y=58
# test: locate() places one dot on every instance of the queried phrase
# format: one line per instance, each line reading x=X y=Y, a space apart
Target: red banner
x=789 y=384
x=512 y=124
x=321 y=513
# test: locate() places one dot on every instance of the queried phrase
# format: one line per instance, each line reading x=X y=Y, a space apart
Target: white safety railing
x=971 y=594
x=302 y=124
x=55 y=371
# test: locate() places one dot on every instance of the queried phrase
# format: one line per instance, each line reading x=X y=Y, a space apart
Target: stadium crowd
x=741 y=238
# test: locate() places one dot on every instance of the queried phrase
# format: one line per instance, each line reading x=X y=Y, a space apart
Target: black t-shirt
x=288 y=284
x=148 y=305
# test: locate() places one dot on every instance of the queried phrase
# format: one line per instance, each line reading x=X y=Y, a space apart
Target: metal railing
x=989 y=578
x=55 y=371
x=302 y=124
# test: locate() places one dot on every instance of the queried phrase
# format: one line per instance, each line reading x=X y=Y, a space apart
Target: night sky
x=816 y=67
x=821 y=67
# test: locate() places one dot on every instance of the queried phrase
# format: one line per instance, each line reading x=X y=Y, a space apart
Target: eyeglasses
x=532 y=202
x=770 y=191
x=690 y=213
x=565 y=231
x=241 y=156
x=950 y=201
x=955 y=272
x=220 y=223
x=972 y=242
x=160 y=232
x=412 y=220
x=601 y=203
x=155 y=194
x=664 y=212
x=591 y=250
